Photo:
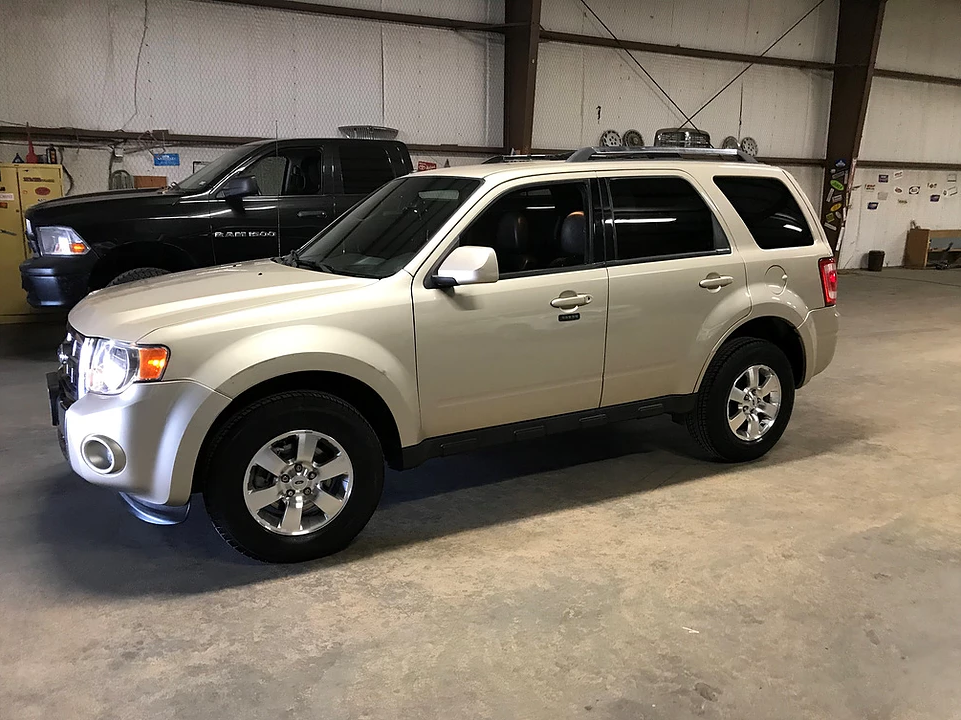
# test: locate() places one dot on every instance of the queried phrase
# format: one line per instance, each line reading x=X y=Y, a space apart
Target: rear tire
x=249 y=503
x=137 y=274
x=745 y=401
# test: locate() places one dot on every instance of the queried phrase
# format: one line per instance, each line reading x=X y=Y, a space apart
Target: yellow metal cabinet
x=21 y=186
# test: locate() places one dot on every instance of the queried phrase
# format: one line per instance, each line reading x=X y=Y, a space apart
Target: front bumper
x=56 y=281
x=159 y=427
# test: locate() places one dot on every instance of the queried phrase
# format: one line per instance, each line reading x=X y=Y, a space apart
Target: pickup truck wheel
x=137 y=274
x=293 y=477
x=745 y=401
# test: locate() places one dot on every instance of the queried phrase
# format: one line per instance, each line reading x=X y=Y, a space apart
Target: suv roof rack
x=527 y=158
x=589 y=154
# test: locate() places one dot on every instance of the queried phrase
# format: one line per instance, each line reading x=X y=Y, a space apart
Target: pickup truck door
x=359 y=168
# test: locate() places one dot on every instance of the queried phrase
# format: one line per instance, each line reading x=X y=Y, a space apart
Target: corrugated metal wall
x=909 y=122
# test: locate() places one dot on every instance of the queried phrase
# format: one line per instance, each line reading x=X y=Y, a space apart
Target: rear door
x=360 y=168
x=676 y=285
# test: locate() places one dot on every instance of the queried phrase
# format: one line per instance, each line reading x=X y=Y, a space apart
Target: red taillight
x=829 y=280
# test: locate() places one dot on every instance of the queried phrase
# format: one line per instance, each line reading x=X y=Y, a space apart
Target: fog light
x=103 y=454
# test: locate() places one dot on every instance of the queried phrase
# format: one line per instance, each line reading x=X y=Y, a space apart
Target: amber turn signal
x=153 y=362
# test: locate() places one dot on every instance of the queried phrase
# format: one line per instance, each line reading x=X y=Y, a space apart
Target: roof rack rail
x=589 y=154
x=527 y=158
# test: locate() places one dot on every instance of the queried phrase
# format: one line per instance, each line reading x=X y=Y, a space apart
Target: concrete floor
x=609 y=575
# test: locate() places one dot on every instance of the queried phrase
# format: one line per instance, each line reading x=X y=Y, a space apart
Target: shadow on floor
x=92 y=544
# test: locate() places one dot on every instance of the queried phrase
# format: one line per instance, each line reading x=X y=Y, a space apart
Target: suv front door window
x=502 y=352
x=672 y=276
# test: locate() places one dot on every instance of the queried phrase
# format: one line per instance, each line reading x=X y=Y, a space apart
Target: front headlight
x=56 y=240
x=109 y=367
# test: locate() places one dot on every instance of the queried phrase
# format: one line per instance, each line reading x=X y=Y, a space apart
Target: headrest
x=574 y=234
x=512 y=233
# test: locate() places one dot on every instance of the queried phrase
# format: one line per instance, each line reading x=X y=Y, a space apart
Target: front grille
x=69 y=355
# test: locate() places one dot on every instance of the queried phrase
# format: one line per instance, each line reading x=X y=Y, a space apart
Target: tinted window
x=365 y=167
x=537 y=228
x=269 y=172
x=214 y=170
x=768 y=209
x=306 y=174
x=658 y=217
x=377 y=237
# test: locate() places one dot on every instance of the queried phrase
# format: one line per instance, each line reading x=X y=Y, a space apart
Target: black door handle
x=312 y=213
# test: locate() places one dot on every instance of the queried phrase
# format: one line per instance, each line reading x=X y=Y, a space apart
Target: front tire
x=137 y=274
x=293 y=477
x=745 y=401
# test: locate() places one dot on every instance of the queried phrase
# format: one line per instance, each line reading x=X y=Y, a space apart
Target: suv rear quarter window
x=769 y=210
x=661 y=217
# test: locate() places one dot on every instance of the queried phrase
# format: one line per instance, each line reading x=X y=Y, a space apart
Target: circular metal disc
x=611 y=138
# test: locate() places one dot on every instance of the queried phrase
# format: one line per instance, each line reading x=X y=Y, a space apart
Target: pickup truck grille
x=69 y=355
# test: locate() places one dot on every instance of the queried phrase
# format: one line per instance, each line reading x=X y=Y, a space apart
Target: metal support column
x=521 y=38
x=859 y=33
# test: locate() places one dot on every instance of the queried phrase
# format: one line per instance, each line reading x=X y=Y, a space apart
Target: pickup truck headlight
x=57 y=240
x=109 y=367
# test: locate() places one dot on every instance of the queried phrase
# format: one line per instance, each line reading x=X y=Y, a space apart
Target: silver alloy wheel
x=298 y=482
x=754 y=402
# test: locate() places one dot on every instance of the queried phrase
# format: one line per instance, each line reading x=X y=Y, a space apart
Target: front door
x=676 y=287
x=517 y=349
x=248 y=228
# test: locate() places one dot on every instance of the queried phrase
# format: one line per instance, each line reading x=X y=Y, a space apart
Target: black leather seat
x=512 y=244
x=573 y=241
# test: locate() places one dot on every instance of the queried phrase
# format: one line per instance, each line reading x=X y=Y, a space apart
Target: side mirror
x=241 y=186
x=468 y=265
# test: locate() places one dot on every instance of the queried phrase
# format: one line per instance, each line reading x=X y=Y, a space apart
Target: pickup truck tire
x=137 y=274
x=274 y=458
x=745 y=401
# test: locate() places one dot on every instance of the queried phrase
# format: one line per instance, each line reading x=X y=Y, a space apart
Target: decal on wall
x=836 y=207
x=882 y=178
x=935 y=198
x=901 y=201
x=898 y=190
x=872 y=206
x=829 y=217
x=829 y=226
x=882 y=195
x=898 y=174
x=951 y=191
x=837 y=185
x=953 y=177
x=932 y=186
x=870 y=187
x=915 y=190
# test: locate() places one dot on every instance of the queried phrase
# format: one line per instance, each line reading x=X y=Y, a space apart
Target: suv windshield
x=383 y=232
x=213 y=170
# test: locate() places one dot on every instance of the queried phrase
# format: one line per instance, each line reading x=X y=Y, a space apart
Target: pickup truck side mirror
x=467 y=265
x=239 y=187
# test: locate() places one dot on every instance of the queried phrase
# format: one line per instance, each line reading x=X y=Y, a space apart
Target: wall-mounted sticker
x=951 y=192
x=931 y=186
x=839 y=214
x=915 y=190
x=882 y=195
x=840 y=164
x=5 y=197
x=882 y=178
x=872 y=206
x=898 y=190
x=898 y=174
x=835 y=208
x=166 y=159
x=829 y=217
x=870 y=187
x=837 y=185
x=901 y=201
x=829 y=226
x=953 y=177
x=935 y=198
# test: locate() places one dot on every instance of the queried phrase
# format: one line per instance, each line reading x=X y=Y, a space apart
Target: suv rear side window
x=660 y=217
x=769 y=210
x=364 y=167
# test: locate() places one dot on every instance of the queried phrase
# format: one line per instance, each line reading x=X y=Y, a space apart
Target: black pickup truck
x=258 y=200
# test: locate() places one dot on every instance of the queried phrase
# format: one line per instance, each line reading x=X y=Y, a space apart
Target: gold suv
x=448 y=311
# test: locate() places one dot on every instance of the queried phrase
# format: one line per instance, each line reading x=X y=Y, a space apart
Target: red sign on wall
x=426 y=165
